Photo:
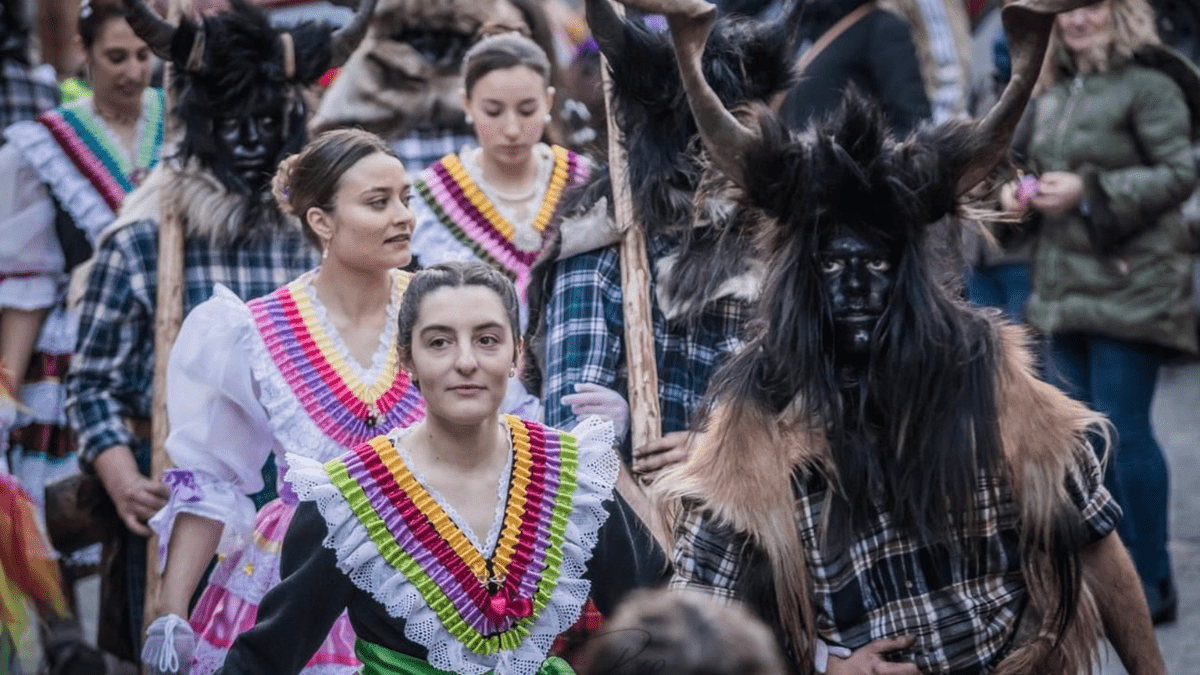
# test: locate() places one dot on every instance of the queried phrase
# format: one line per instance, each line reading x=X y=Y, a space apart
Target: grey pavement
x=1177 y=424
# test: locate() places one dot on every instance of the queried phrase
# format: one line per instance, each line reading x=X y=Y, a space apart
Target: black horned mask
x=234 y=65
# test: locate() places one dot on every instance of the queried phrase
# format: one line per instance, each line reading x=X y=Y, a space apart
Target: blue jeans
x=1117 y=378
x=1003 y=286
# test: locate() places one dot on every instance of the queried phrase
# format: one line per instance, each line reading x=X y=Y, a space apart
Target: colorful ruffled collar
x=466 y=211
x=346 y=407
x=487 y=604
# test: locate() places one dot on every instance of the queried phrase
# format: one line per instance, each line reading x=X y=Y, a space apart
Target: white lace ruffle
x=207 y=496
x=29 y=293
x=74 y=192
x=359 y=559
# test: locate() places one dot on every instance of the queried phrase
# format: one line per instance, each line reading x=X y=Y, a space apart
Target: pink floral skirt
x=229 y=605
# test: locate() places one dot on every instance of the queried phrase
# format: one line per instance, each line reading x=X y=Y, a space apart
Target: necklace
x=516 y=198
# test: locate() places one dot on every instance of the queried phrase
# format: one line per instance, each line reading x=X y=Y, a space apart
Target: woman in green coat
x=1112 y=271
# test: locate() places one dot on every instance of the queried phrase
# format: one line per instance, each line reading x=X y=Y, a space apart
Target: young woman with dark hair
x=468 y=542
x=310 y=369
x=498 y=203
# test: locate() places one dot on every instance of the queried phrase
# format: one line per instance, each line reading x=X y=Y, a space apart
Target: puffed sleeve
x=31 y=260
x=220 y=433
x=1125 y=201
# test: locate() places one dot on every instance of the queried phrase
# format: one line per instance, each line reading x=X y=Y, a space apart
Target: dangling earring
x=512 y=372
x=324 y=252
x=470 y=120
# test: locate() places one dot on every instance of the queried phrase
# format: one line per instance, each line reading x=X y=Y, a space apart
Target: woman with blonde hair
x=1113 y=268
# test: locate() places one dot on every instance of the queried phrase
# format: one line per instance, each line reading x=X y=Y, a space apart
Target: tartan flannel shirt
x=22 y=96
x=419 y=148
x=585 y=339
x=112 y=370
x=963 y=609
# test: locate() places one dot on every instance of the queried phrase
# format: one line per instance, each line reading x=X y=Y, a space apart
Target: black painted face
x=249 y=144
x=858 y=279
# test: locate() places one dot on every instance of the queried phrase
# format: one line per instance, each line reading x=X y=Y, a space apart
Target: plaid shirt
x=585 y=339
x=963 y=610
x=112 y=370
x=422 y=147
x=22 y=95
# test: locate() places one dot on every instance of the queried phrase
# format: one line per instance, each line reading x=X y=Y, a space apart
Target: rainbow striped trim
x=345 y=408
x=95 y=154
x=472 y=218
x=416 y=536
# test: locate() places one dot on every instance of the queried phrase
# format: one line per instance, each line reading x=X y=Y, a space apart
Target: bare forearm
x=115 y=467
x=1122 y=606
x=193 y=542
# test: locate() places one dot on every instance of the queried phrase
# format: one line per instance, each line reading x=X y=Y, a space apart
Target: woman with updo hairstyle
x=64 y=174
x=498 y=203
x=468 y=542
x=310 y=369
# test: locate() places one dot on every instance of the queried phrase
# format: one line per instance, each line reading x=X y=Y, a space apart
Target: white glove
x=170 y=644
x=592 y=399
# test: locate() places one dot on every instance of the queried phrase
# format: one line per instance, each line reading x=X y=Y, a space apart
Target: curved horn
x=345 y=39
x=150 y=27
x=606 y=26
x=724 y=136
x=1028 y=24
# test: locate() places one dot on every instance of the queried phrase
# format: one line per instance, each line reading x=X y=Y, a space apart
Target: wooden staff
x=645 y=418
x=168 y=315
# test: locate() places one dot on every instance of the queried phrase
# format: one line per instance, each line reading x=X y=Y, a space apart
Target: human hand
x=170 y=644
x=650 y=459
x=136 y=497
x=1058 y=192
x=593 y=399
x=1015 y=195
x=870 y=660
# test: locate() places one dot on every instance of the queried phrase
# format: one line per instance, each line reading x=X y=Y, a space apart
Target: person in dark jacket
x=1113 y=268
x=875 y=54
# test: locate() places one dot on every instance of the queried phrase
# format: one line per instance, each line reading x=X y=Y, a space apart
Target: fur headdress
x=937 y=388
x=407 y=73
x=233 y=63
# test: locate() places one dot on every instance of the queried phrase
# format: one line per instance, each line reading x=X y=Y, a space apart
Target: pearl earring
x=470 y=120
x=512 y=372
x=548 y=118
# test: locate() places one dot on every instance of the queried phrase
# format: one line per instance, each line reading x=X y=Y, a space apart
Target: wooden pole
x=168 y=315
x=645 y=418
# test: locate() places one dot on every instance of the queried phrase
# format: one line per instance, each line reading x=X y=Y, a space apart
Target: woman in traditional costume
x=308 y=370
x=63 y=177
x=498 y=203
x=466 y=543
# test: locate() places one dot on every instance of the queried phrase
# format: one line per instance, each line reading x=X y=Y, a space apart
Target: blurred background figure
x=682 y=633
x=874 y=50
x=25 y=91
x=403 y=82
x=1113 y=266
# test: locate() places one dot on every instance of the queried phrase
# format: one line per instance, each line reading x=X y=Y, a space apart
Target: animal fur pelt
x=406 y=74
x=743 y=475
x=677 y=195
